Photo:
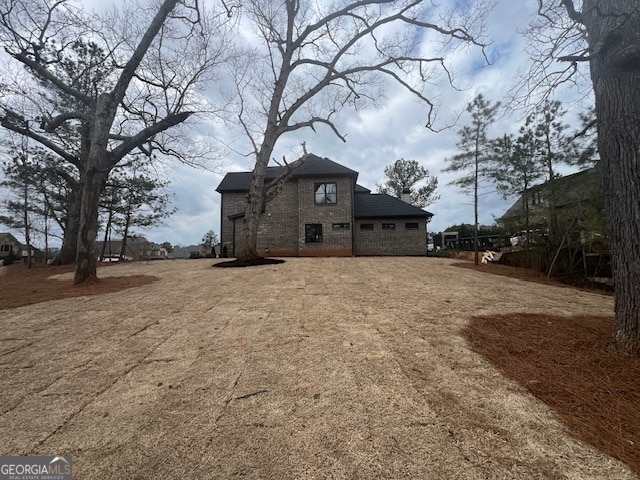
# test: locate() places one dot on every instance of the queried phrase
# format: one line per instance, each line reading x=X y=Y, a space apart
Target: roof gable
x=313 y=166
x=9 y=238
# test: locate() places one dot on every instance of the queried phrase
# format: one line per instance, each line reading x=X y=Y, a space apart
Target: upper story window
x=326 y=193
x=411 y=226
x=537 y=198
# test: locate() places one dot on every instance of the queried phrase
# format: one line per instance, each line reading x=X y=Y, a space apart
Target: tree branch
x=145 y=134
x=24 y=130
x=51 y=125
x=131 y=66
x=40 y=70
x=571 y=11
x=273 y=188
x=311 y=124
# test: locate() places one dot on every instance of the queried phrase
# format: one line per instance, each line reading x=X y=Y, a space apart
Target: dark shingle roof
x=239 y=181
x=313 y=166
x=381 y=205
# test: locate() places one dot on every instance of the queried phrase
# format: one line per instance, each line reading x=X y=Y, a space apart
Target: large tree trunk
x=67 y=253
x=248 y=248
x=615 y=73
x=87 y=251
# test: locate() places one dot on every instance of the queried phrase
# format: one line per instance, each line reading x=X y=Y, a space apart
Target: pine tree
x=516 y=168
x=476 y=153
x=405 y=174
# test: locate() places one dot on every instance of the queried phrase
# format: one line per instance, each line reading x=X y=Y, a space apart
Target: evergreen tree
x=208 y=243
x=516 y=168
x=133 y=198
x=554 y=147
x=405 y=174
x=21 y=181
x=476 y=153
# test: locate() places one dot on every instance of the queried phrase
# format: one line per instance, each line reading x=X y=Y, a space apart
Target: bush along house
x=322 y=211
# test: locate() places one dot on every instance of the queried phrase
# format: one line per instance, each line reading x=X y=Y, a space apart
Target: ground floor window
x=313 y=233
x=340 y=226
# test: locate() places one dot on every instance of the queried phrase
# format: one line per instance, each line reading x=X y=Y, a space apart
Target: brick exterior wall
x=399 y=241
x=282 y=226
x=335 y=242
x=278 y=230
x=231 y=204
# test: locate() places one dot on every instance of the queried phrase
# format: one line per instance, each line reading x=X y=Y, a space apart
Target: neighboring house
x=136 y=248
x=186 y=252
x=579 y=206
x=9 y=243
x=193 y=251
x=322 y=211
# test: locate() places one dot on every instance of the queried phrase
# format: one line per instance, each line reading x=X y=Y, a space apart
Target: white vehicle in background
x=533 y=237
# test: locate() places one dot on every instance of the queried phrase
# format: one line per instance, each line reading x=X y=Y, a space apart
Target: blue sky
x=377 y=137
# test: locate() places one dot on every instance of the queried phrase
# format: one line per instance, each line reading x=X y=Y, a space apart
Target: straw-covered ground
x=344 y=368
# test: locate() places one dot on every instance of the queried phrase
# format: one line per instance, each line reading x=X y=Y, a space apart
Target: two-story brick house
x=322 y=211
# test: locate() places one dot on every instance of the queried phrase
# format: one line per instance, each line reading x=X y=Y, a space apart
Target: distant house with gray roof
x=322 y=211
x=11 y=247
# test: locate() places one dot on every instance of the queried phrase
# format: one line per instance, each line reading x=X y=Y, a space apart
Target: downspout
x=233 y=241
x=353 y=219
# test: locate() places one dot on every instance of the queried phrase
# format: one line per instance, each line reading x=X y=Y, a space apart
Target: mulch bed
x=248 y=263
x=565 y=362
x=527 y=274
x=25 y=286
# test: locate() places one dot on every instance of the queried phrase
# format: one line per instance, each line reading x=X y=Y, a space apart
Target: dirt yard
x=342 y=368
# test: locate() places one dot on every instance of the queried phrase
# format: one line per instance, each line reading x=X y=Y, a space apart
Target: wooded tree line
x=513 y=163
x=100 y=92
x=41 y=194
x=127 y=84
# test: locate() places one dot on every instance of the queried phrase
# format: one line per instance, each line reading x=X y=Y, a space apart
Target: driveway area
x=341 y=368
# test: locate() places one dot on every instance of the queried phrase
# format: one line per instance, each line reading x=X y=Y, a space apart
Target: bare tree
x=605 y=35
x=120 y=98
x=308 y=60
